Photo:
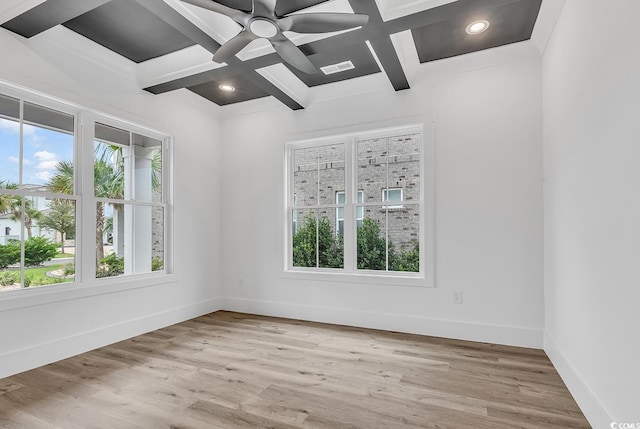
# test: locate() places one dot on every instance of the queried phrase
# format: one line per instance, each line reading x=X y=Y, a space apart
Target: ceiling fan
x=263 y=23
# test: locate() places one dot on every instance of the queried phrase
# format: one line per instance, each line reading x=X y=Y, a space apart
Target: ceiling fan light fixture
x=477 y=27
x=263 y=28
x=226 y=87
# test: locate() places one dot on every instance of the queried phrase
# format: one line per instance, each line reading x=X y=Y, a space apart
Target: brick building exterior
x=388 y=182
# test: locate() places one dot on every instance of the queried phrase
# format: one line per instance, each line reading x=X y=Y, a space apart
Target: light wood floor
x=230 y=370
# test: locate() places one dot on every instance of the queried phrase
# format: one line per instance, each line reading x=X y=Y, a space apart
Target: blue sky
x=43 y=149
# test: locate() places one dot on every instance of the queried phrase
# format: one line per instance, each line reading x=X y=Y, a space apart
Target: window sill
x=366 y=277
x=43 y=295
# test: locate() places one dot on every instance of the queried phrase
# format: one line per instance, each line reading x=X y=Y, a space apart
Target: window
x=44 y=198
x=37 y=201
x=392 y=196
x=130 y=202
x=339 y=190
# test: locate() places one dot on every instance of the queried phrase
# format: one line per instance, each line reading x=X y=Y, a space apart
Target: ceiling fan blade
x=289 y=52
x=265 y=8
x=322 y=22
x=234 y=14
x=233 y=46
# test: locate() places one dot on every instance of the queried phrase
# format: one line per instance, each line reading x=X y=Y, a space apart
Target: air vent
x=337 y=68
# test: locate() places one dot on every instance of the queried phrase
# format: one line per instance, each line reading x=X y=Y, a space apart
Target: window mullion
x=87 y=216
x=349 y=237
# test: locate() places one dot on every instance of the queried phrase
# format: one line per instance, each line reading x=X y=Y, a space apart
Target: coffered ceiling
x=173 y=41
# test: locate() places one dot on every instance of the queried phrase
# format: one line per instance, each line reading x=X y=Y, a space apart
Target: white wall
x=40 y=326
x=591 y=77
x=488 y=153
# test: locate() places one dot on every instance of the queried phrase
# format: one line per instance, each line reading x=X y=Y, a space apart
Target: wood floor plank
x=230 y=371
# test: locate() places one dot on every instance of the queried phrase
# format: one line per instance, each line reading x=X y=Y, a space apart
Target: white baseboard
x=591 y=407
x=16 y=361
x=497 y=334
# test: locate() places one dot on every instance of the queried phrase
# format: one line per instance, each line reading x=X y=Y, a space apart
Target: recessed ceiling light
x=477 y=27
x=226 y=87
x=336 y=68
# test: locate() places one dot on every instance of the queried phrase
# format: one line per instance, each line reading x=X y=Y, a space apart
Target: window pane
x=47 y=150
x=110 y=240
x=305 y=176
x=304 y=243
x=108 y=170
x=56 y=223
x=148 y=169
x=371 y=239
x=330 y=243
x=123 y=225
x=9 y=152
x=11 y=230
x=331 y=172
x=404 y=229
x=157 y=237
x=404 y=167
x=315 y=242
x=372 y=167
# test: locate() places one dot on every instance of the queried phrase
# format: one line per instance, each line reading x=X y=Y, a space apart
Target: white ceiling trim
x=393 y=9
x=407 y=54
x=185 y=62
x=9 y=9
x=289 y=83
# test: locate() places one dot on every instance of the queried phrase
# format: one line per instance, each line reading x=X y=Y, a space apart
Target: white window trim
x=85 y=284
x=386 y=191
x=426 y=276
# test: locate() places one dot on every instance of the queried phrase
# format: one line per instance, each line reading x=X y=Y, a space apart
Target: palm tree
x=108 y=183
x=7 y=202
x=30 y=214
x=108 y=173
x=13 y=204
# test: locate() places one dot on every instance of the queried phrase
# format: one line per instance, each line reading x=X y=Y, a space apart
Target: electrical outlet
x=457 y=297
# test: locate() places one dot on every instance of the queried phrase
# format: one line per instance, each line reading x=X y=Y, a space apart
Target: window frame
x=167 y=189
x=85 y=284
x=24 y=96
x=350 y=274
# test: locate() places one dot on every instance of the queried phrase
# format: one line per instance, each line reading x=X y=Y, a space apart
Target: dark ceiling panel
x=49 y=14
x=129 y=29
x=359 y=55
x=245 y=90
x=283 y=7
x=509 y=23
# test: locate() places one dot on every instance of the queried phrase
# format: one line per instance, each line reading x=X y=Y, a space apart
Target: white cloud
x=43 y=175
x=13 y=159
x=43 y=155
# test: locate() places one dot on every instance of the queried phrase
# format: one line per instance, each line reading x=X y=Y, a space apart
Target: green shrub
x=9 y=254
x=372 y=249
x=157 y=264
x=38 y=250
x=69 y=269
x=110 y=266
x=8 y=278
x=28 y=280
x=329 y=245
x=406 y=261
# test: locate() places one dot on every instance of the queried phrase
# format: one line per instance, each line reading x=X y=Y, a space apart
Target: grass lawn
x=38 y=275
x=63 y=256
